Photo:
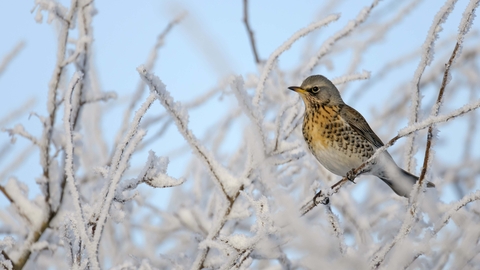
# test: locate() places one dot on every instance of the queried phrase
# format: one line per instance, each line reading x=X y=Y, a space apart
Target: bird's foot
x=317 y=199
x=351 y=175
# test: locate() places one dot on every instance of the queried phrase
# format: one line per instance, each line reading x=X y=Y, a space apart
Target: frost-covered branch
x=285 y=46
x=337 y=230
x=327 y=45
x=412 y=213
x=117 y=168
x=454 y=209
x=365 y=75
x=463 y=30
x=426 y=59
x=153 y=174
x=251 y=111
x=69 y=171
x=228 y=184
x=233 y=151
x=150 y=64
x=20 y=131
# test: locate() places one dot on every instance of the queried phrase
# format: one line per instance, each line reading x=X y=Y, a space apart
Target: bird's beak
x=297 y=89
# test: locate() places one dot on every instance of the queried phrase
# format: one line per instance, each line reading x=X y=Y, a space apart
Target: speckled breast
x=337 y=146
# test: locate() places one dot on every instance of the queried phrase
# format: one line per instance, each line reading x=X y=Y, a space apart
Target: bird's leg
x=351 y=175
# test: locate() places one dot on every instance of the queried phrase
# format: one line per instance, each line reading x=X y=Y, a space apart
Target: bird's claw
x=351 y=176
x=317 y=199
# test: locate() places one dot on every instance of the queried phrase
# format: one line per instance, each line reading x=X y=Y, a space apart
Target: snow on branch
x=285 y=46
x=150 y=64
x=32 y=212
x=427 y=54
x=263 y=227
x=228 y=184
x=365 y=75
x=467 y=20
x=337 y=230
x=120 y=161
x=328 y=44
x=20 y=131
x=251 y=111
x=475 y=196
x=152 y=174
x=412 y=213
x=70 y=171
x=54 y=9
x=446 y=78
x=83 y=205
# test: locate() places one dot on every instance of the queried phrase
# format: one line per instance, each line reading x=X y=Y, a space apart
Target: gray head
x=318 y=89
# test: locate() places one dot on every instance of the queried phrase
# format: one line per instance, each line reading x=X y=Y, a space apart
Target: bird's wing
x=360 y=125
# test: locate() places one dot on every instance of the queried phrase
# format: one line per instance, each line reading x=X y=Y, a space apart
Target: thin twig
x=249 y=31
x=435 y=113
x=10 y=56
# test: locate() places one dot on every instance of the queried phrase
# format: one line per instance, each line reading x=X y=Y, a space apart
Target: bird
x=341 y=140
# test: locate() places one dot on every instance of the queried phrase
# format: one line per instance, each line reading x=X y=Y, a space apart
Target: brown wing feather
x=360 y=125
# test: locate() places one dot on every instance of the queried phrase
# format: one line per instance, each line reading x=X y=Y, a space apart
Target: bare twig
x=249 y=31
x=435 y=113
x=10 y=56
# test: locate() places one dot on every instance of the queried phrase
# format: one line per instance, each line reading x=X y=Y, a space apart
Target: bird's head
x=318 y=90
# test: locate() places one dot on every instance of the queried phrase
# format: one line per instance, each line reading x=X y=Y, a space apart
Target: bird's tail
x=401 y=182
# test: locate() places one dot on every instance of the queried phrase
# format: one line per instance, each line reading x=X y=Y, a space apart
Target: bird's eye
x=315 y=89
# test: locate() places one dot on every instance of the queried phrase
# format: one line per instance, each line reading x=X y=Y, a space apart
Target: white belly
x=335 y=160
